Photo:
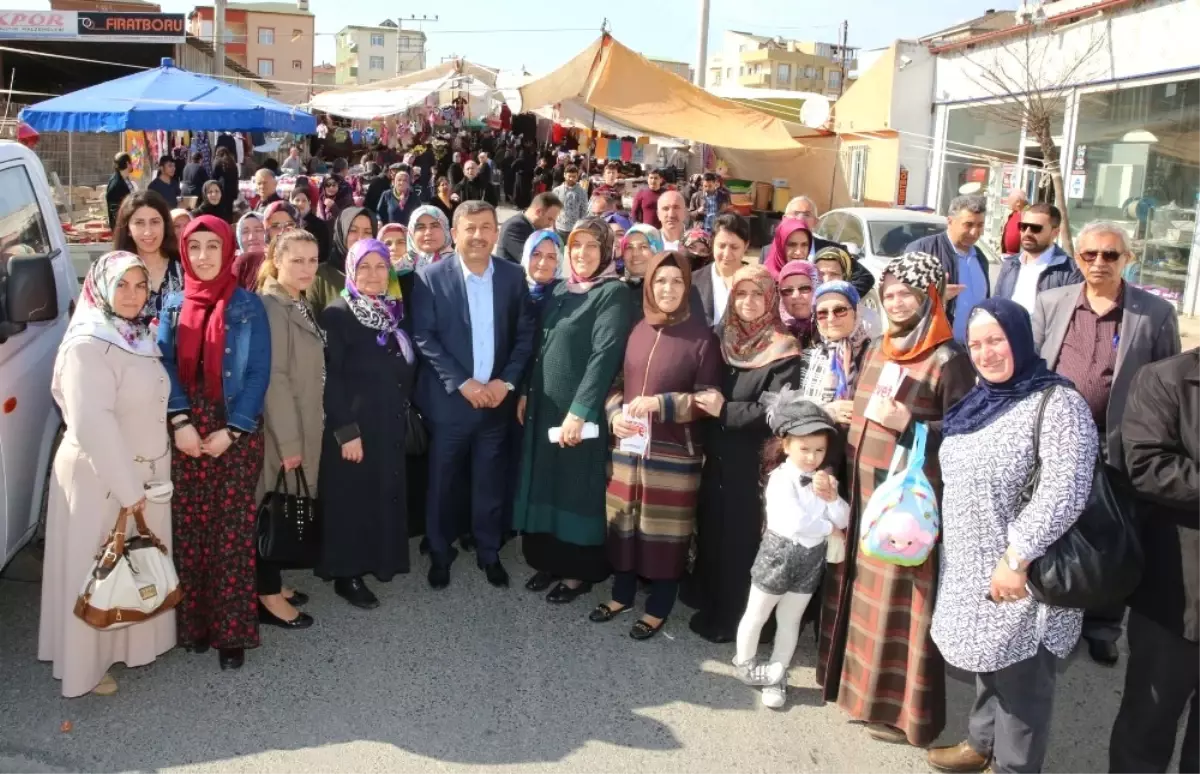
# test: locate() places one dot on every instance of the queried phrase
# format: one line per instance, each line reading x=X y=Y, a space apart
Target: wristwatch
x=1013 y=562
x=509 y=386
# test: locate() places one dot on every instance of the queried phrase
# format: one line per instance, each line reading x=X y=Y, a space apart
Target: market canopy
x=397 y=95
x=625 y=87
x=166 y=98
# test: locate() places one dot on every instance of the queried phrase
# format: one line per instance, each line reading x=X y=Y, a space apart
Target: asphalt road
x=467 y=679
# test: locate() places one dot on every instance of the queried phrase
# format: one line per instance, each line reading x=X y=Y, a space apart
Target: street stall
x=162 y=99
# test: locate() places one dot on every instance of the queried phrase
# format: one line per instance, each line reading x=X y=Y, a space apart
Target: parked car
x=38 y=287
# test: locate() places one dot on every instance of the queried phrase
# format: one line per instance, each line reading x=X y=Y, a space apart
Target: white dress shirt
x=1025 y=291
x=720 y=296
x=483 y=324
x=795 y=512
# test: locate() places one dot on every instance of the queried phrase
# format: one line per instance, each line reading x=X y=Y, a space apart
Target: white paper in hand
x=639 y=443
x=590 y=430
x=886 y=388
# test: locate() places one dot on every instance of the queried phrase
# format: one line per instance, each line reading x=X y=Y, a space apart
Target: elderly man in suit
x=472 y=325
x=1098 y=335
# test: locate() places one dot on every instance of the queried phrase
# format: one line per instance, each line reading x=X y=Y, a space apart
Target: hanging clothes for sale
x=356 y=136
x=614 y=150
x=601 y=147
x=626 y=150
x=200 y=145
x=557 y=134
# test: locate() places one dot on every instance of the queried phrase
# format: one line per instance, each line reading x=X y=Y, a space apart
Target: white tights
x=789 y=609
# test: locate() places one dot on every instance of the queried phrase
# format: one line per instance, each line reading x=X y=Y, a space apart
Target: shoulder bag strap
x=1037 y=426
x=302 y=482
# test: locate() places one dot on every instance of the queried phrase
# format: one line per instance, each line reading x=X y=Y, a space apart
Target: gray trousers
x=1011 y=717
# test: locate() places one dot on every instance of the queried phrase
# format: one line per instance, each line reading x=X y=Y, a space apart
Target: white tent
x=397 y=95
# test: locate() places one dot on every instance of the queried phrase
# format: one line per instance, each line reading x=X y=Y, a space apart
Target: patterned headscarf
x=94 y=316
x=404 y=264
x=419 y=258
x=763 y=341
x=607 y=270
x=536 y=238
x=783 y=233
x=843 y=364
x=930 y=327
x=384 y=312
x=801 y=329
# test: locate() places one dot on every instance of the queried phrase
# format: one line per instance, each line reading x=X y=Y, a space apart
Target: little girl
x=803 y=509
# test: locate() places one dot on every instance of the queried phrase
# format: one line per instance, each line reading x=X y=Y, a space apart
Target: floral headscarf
x=384 y=312
x=762 y=342
x=698 y=244
x=843 y=363
x=536 y=238
x=607 y=270
x=404 y=264
x=419 y=258
x=94 y=315
x=801 y=329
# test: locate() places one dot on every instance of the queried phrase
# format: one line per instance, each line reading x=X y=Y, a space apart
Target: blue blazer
x=441 y=321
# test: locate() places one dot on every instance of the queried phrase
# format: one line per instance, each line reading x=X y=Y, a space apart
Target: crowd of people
x=639 y=401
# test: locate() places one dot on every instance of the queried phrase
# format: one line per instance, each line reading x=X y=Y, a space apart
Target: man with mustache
x=473 y=326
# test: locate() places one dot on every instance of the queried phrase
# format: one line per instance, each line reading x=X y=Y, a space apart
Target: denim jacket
x=247 y=361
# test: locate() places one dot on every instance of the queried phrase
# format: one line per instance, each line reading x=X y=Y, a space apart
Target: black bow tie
x=805 y=480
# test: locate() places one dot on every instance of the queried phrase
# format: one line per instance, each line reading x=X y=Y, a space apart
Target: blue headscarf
x=987 y=402
x=538 y=291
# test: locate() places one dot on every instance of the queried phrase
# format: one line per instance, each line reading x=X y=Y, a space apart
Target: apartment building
x=274 y=40
x=762 y=62
x=366 y=54
x=682 y=69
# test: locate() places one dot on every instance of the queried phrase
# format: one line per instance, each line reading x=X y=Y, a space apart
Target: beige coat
x=294 y=415
x=115 y=407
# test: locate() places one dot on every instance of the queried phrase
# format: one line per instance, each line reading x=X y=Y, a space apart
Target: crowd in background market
x=326 y=336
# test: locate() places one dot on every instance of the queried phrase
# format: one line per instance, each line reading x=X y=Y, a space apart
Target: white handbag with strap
x=130 y=581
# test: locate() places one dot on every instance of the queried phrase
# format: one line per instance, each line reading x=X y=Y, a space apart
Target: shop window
x=977 y=149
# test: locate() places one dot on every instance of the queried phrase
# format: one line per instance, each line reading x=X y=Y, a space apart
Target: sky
x=483 y=30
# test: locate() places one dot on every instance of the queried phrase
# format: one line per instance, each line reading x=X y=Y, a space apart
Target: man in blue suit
x=472 y=325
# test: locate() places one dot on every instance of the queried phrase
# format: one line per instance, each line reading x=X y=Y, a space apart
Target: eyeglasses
x=1034 y=227
x=837 y=312
x=1109 y=256
x=803 y=290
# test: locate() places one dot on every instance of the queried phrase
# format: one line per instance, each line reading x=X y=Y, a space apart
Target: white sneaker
x=753 y=672
x=775 y=694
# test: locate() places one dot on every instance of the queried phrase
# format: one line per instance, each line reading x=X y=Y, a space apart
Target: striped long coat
x=651 y=500
x=875 y=655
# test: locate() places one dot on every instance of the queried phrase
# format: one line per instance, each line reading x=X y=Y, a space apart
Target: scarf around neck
x=200 y=336
x=381 y=313
x=94 y=316
x=763 y=341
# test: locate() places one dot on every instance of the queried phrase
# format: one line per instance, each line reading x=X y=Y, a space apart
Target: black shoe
x=467 y=542
x=603 y=613
x=540 y=581
x=562 y=593
x=265 y=616
x=354 y=591
x=231 y=658
x=703 y=625
x=439 y=575
x=644 y=631
x=1104 y=653
x=424 y=547
x=496 y=574
x=196 y=647
x=297 y=599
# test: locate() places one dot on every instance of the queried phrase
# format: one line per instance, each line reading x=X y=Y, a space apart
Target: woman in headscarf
x=278 y=217
x=442 y=197
x=542 y=259
x=895 y=685
x=302 y=200
x=353 y=224
x=180 y=218
x=210 y=201
x=759 y=355
x=797 y=282
x=395 y=236
x=252 y=250
x=584 y=328
x=792 y=242
x=834 y=263
x=371 y=366
x=105 y=375
x=636 y=250
x=984 y=620
x=651 y=499
x=619 y=222
x=698 y=245
x=216 y=348
x=335 y=195
x=834 y=360
x=428 y=236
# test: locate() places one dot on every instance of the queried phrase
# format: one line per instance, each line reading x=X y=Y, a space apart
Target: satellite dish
x=814 y=113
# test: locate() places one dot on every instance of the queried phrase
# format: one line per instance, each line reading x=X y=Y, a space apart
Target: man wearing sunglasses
x=1040 y=264
x=1098 y=335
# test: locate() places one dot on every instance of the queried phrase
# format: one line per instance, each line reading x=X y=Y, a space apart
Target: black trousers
x=270 y=578
x=662 y=593
x=1162 y=681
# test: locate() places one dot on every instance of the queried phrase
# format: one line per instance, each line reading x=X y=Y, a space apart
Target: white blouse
x=795 y=512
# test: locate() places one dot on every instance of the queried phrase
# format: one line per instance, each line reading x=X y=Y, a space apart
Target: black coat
x=1160 y=435
x=729 y=518
x=319 y=229
x=479 y=189
x=191 y=182
x=367 y=387
x=114 y=194
x=227 y=176
x=374 y=192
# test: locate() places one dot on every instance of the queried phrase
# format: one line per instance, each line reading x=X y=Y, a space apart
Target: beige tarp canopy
x=625 y=87
x=396 y=95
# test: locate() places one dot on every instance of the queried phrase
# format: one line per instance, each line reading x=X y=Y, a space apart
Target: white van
x=38 y=288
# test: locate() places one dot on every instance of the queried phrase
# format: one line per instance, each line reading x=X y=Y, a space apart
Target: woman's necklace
x=156 y=264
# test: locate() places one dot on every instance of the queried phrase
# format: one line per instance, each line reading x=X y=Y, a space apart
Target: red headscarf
x=201 y=327
x=783 y=232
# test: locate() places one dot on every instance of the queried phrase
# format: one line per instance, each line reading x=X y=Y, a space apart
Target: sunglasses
x=801 y=291
x=1034 y=227
x=1109 y=256
x=837 y=312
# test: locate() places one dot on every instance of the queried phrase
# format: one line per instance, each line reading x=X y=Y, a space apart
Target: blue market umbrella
x=166 y=98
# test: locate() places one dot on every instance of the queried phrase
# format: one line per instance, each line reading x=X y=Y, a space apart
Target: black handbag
x=289 y=524
x=416 y=437
x=1098 y=561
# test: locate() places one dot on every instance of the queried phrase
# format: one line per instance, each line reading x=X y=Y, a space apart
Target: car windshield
x=890 y=237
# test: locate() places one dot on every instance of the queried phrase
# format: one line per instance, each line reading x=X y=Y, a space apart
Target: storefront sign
x=1080 y=164
x=1075 y=186
x=35 y=25
x=902 y=188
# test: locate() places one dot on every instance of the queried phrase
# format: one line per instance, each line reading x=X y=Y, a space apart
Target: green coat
x=580 y=349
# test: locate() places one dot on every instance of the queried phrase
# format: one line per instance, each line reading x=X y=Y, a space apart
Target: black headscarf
x=987 y=401
x=337 y=254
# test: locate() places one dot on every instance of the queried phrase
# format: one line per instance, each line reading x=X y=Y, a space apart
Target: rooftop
x=990 y=20
x=288 y=9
